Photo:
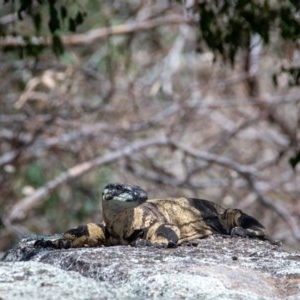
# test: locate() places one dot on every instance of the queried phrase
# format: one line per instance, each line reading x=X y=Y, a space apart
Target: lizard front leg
x=90 y=235
x=160 y=235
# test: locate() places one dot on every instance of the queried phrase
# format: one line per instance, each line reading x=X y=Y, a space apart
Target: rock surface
x=218 y=268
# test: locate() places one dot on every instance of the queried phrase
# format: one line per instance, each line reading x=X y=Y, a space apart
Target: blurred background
x=196 y=99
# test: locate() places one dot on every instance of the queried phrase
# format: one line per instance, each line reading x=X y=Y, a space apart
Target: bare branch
x=41 y=145
x=220 y=160
x=277 y=207
x=247 y=172
x=94 y=35
x=19 y=210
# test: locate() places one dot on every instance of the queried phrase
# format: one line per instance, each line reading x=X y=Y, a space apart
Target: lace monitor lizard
x=132 y=219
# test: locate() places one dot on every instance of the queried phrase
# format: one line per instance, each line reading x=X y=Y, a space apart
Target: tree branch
x=277 y=207
x=220 y=160
x=247 y=172
x=94 y=35
x=19 y=210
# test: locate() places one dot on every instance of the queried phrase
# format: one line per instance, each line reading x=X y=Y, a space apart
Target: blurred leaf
x=25 y=5
x=275 y=80
x=34 y=175
x=2 y=30
x=72 y=25
x=37 y=20
x=294 y=160
x=63 y=12
x=79 y=18
x=57 y=45
x=226 y=26
x=53 y=23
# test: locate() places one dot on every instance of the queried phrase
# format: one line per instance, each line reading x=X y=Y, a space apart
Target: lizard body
x=132 y=219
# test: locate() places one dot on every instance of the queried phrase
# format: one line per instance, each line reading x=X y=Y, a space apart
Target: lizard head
x=124 y=192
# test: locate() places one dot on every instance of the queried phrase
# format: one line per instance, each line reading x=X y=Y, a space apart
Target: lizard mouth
x=119 y=197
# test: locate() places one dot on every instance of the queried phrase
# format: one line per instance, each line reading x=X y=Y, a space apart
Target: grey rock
x=33 y=280
x=217 y=268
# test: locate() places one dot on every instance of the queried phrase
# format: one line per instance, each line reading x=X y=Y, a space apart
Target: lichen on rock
x=217 y=268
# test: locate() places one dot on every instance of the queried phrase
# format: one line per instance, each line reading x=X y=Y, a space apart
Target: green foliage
x=34 y=175
x=61 y=15
x=87 y=198
x=57 y=45
x=227 y=25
